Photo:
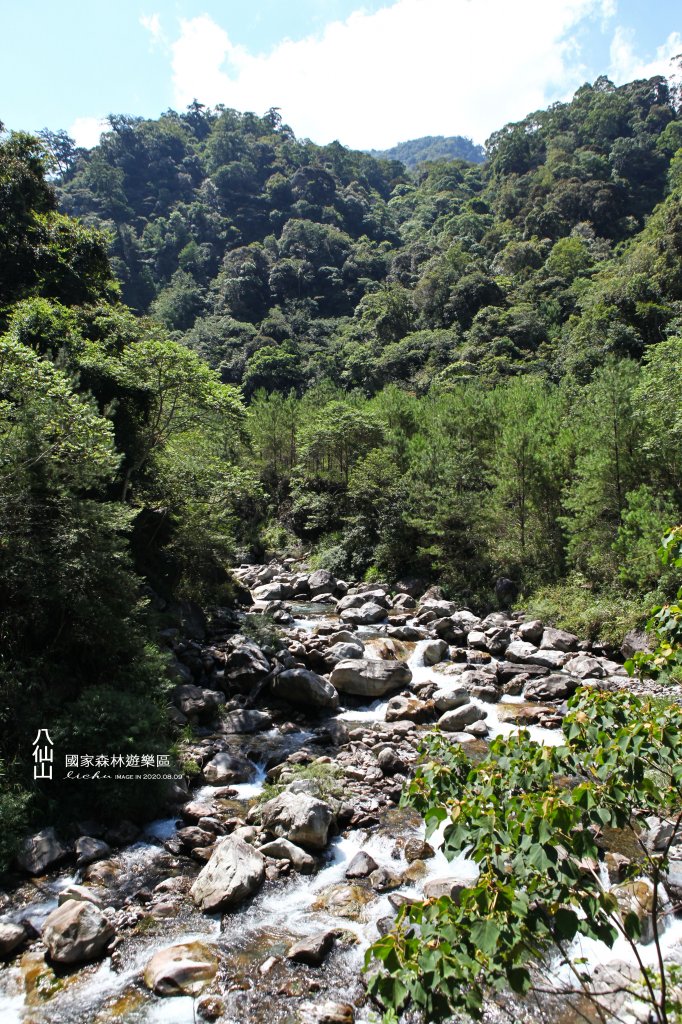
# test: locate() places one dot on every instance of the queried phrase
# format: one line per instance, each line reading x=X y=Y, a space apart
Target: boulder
x=558 y=640
x=80 y=893
x=298 y=817
x=634 y=641
x=545 y=658
x=390 y=762
x=585 y=667
x=531 y=631
x=418 y=849
x=434 y=651
x=447 y=629
x=304 y=688
x=553 y=687
x=244 y=722
x=466 y=620
x=497 y=639
x=234 y=872
x=361 y=866
x=89 y=849
x=76 y=932
x=245 y=665
x=225 y=769
x=637 y=897
x=367 y=678
x=12 y=937
x=408 y=709
x=405 y=633
x=321 y=582
x=366 y=615
x=40 y=852
x=350 y=601
x=313 y=950
x=434 y=888
x=457 y=719
x=520 y=651
x=282 y=849
x=181 y=970
x=448 y=700
x=273 y=592
x=326 y=1012
x=197 y=703
x=344 y=651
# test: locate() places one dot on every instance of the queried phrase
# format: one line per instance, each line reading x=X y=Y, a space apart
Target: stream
x=255 y=982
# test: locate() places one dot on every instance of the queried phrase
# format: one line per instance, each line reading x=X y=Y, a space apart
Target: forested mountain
x=432 y=147
x=460 y=372
x=466 y=372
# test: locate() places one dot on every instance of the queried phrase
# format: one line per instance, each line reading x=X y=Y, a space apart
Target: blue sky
x=369 y=74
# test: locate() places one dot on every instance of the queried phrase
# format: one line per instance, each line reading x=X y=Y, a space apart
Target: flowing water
x=256 y=936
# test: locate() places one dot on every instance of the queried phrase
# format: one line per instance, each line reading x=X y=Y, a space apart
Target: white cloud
x=627 y=65
x=416 y=67
x=152 y=23
x=87 y=130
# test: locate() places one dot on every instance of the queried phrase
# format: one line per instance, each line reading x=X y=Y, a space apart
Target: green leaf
x=485 y=934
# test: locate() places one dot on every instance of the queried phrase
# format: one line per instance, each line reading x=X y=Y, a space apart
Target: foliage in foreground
x=533 y=818
x=665 y=622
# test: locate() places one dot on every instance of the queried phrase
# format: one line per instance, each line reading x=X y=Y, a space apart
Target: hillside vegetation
x=432 y=147
x=464 y=373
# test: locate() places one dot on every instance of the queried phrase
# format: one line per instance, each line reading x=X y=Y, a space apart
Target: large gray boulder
x=520 y=651
x=181 y=970
x=89 y=849
x=321 y=582
x=550 y=659
x=40 y=851
x=76 y=932
x=366 y=615
x=434 y=651
x=283 y=849
x=298 y=817
x=245 y=665
x=299 y=686
x=234 y=872
x=365 y=677
x=585 y=667
x=344 y=651
x=226 y=769
x=273 y=592
x=450 y=631
x=448 y=700
x=350 y=601
x=457 y=719
x=12 y=937
x=554 y=687
x=559 y=640
x=245 y=721
x=531 y=631
x=197 y=703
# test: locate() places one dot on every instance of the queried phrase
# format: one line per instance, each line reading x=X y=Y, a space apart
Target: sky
x=369 y=74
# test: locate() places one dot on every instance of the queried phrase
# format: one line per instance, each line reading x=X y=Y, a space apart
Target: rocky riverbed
x=254 y=895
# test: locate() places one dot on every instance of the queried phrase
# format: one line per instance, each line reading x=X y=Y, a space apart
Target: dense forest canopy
x=432 y=147
x=463 y=372
x=449 y=372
